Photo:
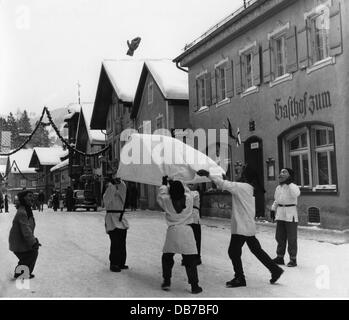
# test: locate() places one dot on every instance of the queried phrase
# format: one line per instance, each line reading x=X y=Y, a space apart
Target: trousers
x=235 y=249
x=286 y=235
x=28 y=259
x=117 y=255
x=189 y=263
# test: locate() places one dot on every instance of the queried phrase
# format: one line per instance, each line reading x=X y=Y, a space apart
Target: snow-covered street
x=73 y=262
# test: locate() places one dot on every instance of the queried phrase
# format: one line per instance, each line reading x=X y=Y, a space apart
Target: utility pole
x=78 y=84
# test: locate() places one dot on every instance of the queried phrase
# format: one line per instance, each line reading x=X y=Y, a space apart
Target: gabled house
x=161 y=102
x=19 y=173
x=60 y=173
x=90 y=141
x=42 y=160
x=112 y=106
x=4 y=165
x=279 y=70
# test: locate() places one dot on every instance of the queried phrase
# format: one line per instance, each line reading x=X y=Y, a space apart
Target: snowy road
x=73 y=262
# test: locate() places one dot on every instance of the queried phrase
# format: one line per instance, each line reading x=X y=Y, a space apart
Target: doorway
x=254 y=158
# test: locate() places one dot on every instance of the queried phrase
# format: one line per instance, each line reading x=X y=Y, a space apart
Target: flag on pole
x=230 y=130
x=238 y=139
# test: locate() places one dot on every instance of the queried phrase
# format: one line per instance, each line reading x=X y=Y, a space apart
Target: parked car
x=84 y=200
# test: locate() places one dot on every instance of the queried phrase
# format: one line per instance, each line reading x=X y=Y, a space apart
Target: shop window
x=310 y=152
x=150 y=92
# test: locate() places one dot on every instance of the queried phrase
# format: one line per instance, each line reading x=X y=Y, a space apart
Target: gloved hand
x=272 y=215
x=203 y=173
x=164 y=180
x=37 y=244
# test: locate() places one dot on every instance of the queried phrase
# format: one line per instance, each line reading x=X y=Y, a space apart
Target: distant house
x=20 y=174
x=116 y=89
x=4 y=165
x=161 y=102
x=42 y=160
x=90 y=141
x=60 y=173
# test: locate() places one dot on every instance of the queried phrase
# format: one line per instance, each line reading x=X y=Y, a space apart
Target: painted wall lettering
x=298 y=108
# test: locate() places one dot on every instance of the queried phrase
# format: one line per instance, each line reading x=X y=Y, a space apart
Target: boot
x=236 y=282
x=275 y=275
x=195 y=288
x=292 y=263
x=114 y=268
x=166 y=285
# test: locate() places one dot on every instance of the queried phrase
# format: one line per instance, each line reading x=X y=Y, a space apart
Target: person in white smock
x=116 y=224
x=286 y=217
x=243 y=226
x=177 y=202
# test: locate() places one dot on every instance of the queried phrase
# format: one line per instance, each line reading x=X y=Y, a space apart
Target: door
x=254 y=158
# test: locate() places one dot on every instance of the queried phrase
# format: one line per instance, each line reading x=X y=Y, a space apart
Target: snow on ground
x=73 y=262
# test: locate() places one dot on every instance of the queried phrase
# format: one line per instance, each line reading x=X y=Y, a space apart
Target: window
x=34 y=183
x=160 y=122
x=247 y=62
x=310 y=152
x=248 y=70
x=23 y=183
x=220 y=75
x=150 y=92
x=279 y=56
x=324 y=157
x=319 y=35
x=201 y=91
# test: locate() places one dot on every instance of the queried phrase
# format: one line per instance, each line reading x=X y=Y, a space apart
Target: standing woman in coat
x=21 y=239
x=243 y=226
x=177 y=202
x=286 y=217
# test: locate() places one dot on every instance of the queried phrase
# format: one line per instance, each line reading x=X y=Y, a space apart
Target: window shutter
x=302 y=44
x=229 y=79
x=266 y=61
x=256 y=67
x=214 y=88
x=238 y=74
x=291 y=50
x=335 y=29
x=208 y=88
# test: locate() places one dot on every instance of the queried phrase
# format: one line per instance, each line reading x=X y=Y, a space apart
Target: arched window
x=310 y=151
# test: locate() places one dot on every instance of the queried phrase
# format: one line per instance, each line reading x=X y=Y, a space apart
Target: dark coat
x=21 y=238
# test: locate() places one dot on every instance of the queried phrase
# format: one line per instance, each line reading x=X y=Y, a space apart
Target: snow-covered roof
x=22 y=158
x=124 y=75
x=95 y=136
x=49 y=156
x=172 y=81
x=60 y=165
x=72 y=109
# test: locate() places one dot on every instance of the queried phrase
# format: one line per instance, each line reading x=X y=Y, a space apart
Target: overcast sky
x=47 y=46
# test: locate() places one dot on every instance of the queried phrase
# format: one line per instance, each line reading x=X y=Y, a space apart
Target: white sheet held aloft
x=146 y=158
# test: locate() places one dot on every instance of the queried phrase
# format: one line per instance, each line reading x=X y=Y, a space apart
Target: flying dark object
x=133 y=45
